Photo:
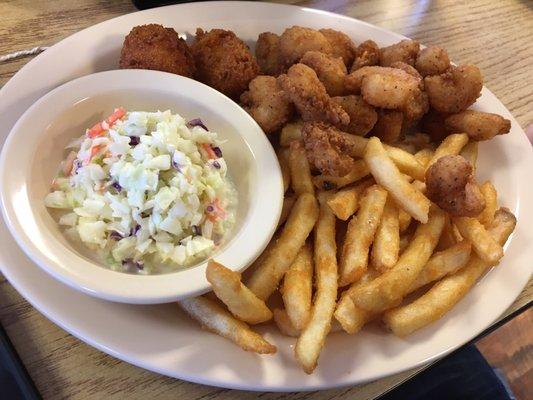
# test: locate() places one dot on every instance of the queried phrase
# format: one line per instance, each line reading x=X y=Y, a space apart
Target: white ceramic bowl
x=34 y=149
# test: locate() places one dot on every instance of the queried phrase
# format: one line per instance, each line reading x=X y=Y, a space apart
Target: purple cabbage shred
x=217 y=151
x=197 y=122
x=216 y=164
x=114 y=235
x=117 y=186
x=135 y=230
x=134 y=140
x=196 y=230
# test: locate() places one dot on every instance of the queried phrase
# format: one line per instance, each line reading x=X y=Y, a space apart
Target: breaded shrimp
x=363 y=116
x=411 y=71
x=267 y=103
x=297 y=40
x=330 y=70
x=432 y=60
x=388 y=91
x=455 y=90
x=322 y=152
x=478 y=125
x=310 y=97
x=451 y=185
x=406 y=51
x=366 y=54
x=433 y=124
x=341 y=45
x=389 y=125
x=268 y=54
x=354 y=80
x=224 y=61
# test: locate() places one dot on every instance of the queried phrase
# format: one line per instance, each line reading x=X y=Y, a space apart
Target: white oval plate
x=162 y=339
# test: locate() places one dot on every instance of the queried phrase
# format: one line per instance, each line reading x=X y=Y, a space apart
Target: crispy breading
x=268 y=54
x=330 y=70
x=406 y=51
x=366 y=54
x=297 y=40
x=478 y=125
x=341 y=45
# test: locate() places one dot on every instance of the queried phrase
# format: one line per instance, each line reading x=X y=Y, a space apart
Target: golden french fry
x=469 y=152
x=384 y=291
x=451 y=145
x=297 y=288
x=313 y=336
x=327 y=182
x=446 y=293
x=483 y=244
x=443 y=263
x=300 y=171
x=288 y=203
x=491 y=203
x=404 y=220
x=213 y=317
x=386 y=246
x=360 y=235
x=301 y=221
x=284 y=324
x=424 y=156
x=283 y=159
x=345 y=202
x=387 y=175
x=405 y=239
x=241 y=302
x=420 y=186
x=290 y=132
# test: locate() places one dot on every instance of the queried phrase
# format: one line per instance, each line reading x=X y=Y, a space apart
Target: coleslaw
x=148 y=191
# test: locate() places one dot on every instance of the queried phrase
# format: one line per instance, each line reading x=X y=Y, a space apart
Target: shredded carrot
x=95 y=150
x=209 y=150
x=100 y=128
x=117 y=114
x=95 y=131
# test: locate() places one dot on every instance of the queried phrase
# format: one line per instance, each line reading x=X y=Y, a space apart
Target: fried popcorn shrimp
x=297 y=40
x=354 y=80
x=390 y=91
x=267 y=103
x=451 y=185
x=432 y=60
x=455 y=90
x=321 y=144
x=310 y=97
x=224 y=61
x=362 y=115
x=268 y=54
x=406 y=51
x=156 y=47
x=389 y=125
x=478 y=125
x=433 y=124
x=330 y=70
x=411 y=71
x=366 y=54
x=341 y=45
x=415 y=107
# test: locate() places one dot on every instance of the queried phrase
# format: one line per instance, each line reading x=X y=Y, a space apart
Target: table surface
x=495 y=35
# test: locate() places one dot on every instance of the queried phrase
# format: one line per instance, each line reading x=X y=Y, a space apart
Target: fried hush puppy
x=158 y=48
x=310 y=97
x=322 y=148
x=405 y=51
x=478 y=125
x=362 y=115
x=454 y=90
x=223 y=61
x=432 y=60
x=297 y=40
x=366 y=55
x=267 y=103
x=451 y=185
x=330 y=70
x=268 y=54
x=341 y=45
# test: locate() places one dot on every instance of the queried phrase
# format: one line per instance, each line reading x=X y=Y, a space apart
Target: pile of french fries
x=349 y=250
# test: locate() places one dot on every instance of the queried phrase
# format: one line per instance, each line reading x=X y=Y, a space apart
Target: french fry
x=405 y=239
x=327 y=182
x=351 y=317
x=283 y=159
x=443 y=263
x=387 y=175
x=214 y=318
x=300 y=171
x=491 y=203
x=404 y=220
x=360 y=235
x=424 y=156
x=241 y=302
x=386 y=246
x=301 y=221
x=345 y=202
x=284 y=324
x=446 y=293
x=451 y=145
x=313 y=336
x=483 y=244
x=420 y=186
x=405 y=162
x=297 y=288
x=288 y=203
x=290 y=132
x=469 y=152
x=384 y=291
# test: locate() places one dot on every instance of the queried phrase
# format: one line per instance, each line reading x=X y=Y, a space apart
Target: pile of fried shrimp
x=383 y=218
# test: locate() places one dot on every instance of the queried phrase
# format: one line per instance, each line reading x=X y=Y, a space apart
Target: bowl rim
x=102 y=282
